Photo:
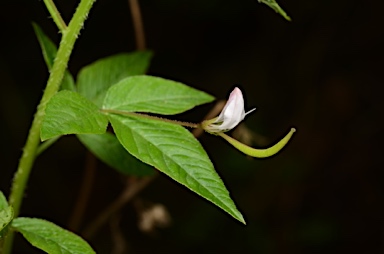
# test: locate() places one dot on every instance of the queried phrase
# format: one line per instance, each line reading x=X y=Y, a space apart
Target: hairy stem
x=119 y=112
x=68 y=39
x=55 y=14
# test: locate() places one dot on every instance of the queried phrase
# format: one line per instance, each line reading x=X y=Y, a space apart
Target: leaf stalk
x=55 y=14
x=126 y=113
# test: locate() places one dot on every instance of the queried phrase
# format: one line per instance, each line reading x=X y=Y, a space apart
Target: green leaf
x=50 y=238
x=6 y=216
x=49 y=53
x=3 y=201
x=276 y=7
x=109 y=150
x=153 y=94
x=70 y=113
x=94 y=80
x=174 y=151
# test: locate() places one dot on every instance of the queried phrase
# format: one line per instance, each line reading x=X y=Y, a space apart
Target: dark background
x=321 y=73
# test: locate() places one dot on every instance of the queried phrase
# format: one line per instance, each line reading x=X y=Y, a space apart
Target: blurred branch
x=84 y=193
x=132 y=188
x=137 y=24
x=119 y=243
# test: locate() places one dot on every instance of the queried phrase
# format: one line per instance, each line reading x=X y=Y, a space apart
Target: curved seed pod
x=259 y=153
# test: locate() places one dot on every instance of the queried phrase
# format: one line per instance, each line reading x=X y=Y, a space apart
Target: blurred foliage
x=321 y=73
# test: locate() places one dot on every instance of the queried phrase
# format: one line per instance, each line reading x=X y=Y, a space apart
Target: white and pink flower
x=231 y=115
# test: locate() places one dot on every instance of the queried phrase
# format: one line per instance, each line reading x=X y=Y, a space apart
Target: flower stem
x=69 y=37
x=55 y=14
x=259 y=153
x=119 y=112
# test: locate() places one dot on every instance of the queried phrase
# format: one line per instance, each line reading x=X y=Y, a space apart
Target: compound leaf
x=175 y=152
x=154 y=95
x=51 y=238
x=94 y=80
x=70 y=113
x=109 y=150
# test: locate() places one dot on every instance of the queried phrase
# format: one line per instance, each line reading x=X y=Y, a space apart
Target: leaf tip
x=242 y=221
x=288 y=18
x=42 y=137
x=34 y=25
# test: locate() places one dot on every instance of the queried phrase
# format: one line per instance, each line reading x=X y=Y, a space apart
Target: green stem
x=120 y=112
x=55 y=14
x=259 y=153
x=69 y=37
x=46 y=144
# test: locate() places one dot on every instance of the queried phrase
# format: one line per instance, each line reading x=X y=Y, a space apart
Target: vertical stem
x=69 y=37
x=137 y=24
